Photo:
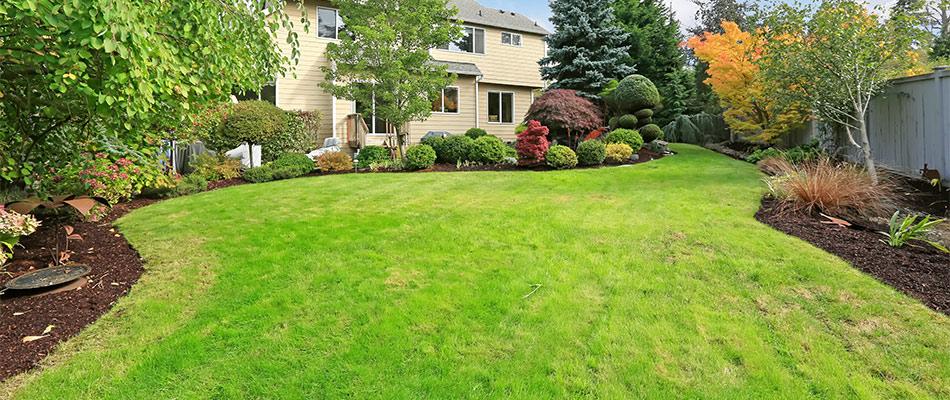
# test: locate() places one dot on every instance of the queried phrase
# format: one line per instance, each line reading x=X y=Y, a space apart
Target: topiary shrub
x=613 y=123
x=532 y=143
x=372 y=154
x=456 y=148
x=561 y=157
x=627 y=136
x=650 y=133
x=260 y=174
x=335 y=161
x=644 y=113
x=254 y=122
x=294 y=161
x=636 y=92
x=487 y=149
x=644 y=122
x=627 y=121
x=420 y=156
x=591 y=152
x=475 y=133
x=617 y=153
x=437 y=143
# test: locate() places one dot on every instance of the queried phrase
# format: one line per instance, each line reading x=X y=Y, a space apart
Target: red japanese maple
x=532 y=143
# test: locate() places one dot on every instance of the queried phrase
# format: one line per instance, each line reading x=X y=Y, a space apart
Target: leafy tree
x=563 y=111
x=709 y=17
x=750 y=109
x=391 y=50
x=836 y=57
x=587 y=49
x=654 y=49
x=114 y=72
x=932 y=18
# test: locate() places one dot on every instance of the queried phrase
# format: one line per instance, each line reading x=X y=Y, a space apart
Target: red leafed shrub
x=532 y=143
x=563 y=109
x=596 y=133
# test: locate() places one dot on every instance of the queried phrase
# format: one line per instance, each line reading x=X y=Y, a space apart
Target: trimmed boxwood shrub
x=628 y=136
x=617 y=153
x=591 y=152
x=561 y=157
x=644 y=113
x=296 y=161
x=487 y=149
x=371 y=154
x=255 y=122
x=437 y=143
x=456 y=149
x=636 y=92
x=263 y=173
x=420 y=156
x=650 y=133
x=475 y=133
x=628 y=121
x=613 y=123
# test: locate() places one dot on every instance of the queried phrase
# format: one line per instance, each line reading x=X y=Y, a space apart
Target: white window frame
x=336 y=21
x=372 y=126
x=501 y=105
x=484 y=42
x=512 y=39
x=458 y=105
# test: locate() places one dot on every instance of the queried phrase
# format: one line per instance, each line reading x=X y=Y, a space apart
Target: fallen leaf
x=32 y=338
x=48 y=329
x=114 y=284
x=19 y=313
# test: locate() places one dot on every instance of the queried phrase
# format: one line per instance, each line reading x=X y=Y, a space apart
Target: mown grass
x=656 y=283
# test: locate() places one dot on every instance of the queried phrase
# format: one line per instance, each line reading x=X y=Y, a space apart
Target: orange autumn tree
x=735 y=78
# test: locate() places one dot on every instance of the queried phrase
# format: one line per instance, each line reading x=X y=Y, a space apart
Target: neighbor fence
x=909 y=125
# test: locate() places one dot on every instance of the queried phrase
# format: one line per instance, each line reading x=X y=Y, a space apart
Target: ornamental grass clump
x=823 y=186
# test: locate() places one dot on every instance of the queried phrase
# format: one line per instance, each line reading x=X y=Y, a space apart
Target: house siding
x=503 y=64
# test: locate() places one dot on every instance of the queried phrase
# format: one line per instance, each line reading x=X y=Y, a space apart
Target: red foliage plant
x=596 y=133
x=532 y=143
x=564 y=109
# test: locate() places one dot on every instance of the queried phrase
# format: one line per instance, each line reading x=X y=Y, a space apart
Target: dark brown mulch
x=115 y=267
x=920 y=271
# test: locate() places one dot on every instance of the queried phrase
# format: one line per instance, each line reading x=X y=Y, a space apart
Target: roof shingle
x=472 y=11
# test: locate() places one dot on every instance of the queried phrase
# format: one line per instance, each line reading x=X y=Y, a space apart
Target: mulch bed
x=115 y=267
x=920 y=271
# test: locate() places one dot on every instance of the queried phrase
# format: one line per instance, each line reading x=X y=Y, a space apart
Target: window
x=448 y=101
x=376 y=125
x=501 y=107
x=511 y=39
x=267 y=93
x=472 y=41
x=329 y=23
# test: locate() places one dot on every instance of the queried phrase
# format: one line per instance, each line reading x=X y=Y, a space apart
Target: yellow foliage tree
x=735 y=78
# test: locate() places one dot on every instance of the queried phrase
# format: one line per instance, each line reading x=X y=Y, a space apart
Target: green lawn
x=656 y=283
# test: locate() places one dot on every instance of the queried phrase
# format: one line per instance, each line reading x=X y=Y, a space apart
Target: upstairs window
x=448 y=101
x=501 y=107
x=472 y=41
x=511 y=39
x=267 y=93
x=329 y=23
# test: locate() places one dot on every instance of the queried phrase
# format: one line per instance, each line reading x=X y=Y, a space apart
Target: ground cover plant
x=567 y=287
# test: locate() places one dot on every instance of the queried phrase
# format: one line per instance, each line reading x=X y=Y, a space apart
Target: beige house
x=496 y=62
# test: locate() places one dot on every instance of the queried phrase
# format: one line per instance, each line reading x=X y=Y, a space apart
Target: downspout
x=333 y=115
x=477 y=100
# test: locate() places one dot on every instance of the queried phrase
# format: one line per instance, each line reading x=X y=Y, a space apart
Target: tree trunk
x=400 y=142
x=866 y=148
x=250 y=154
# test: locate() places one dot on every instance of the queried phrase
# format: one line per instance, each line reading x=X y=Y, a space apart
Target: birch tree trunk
x=866 y=148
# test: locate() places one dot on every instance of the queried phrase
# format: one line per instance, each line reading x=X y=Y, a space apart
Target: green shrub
x=437 y=143
x=256 y=122
x=628 y=136
x=644 y=122
x=335 y=161
x=487 y=149
x=617 y=153
x=215 y=167
x=636 y=92
x=520 y=128
x=655 y=147
x=650 y=133
x=613 y=123
x=561 y=157
x=475 y=133
x=795 y=155
x=698 y=129
x=263 y=173
x=279 y=172
x=190 y=184
x=511 y=152
x=644 y=113
x=591 y=152
x=298 y=136
x=456 y=149
x=420 y=156
x=295 y=161
x=371 y=154
x=627 y=121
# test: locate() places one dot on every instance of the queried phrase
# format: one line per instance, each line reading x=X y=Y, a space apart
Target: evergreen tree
x=654 y=38
x=587 y=49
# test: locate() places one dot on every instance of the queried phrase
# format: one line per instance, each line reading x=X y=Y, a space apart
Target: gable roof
x=459 y=68
x=472 y=11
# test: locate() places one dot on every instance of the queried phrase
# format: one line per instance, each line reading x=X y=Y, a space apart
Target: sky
x=539 y=11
